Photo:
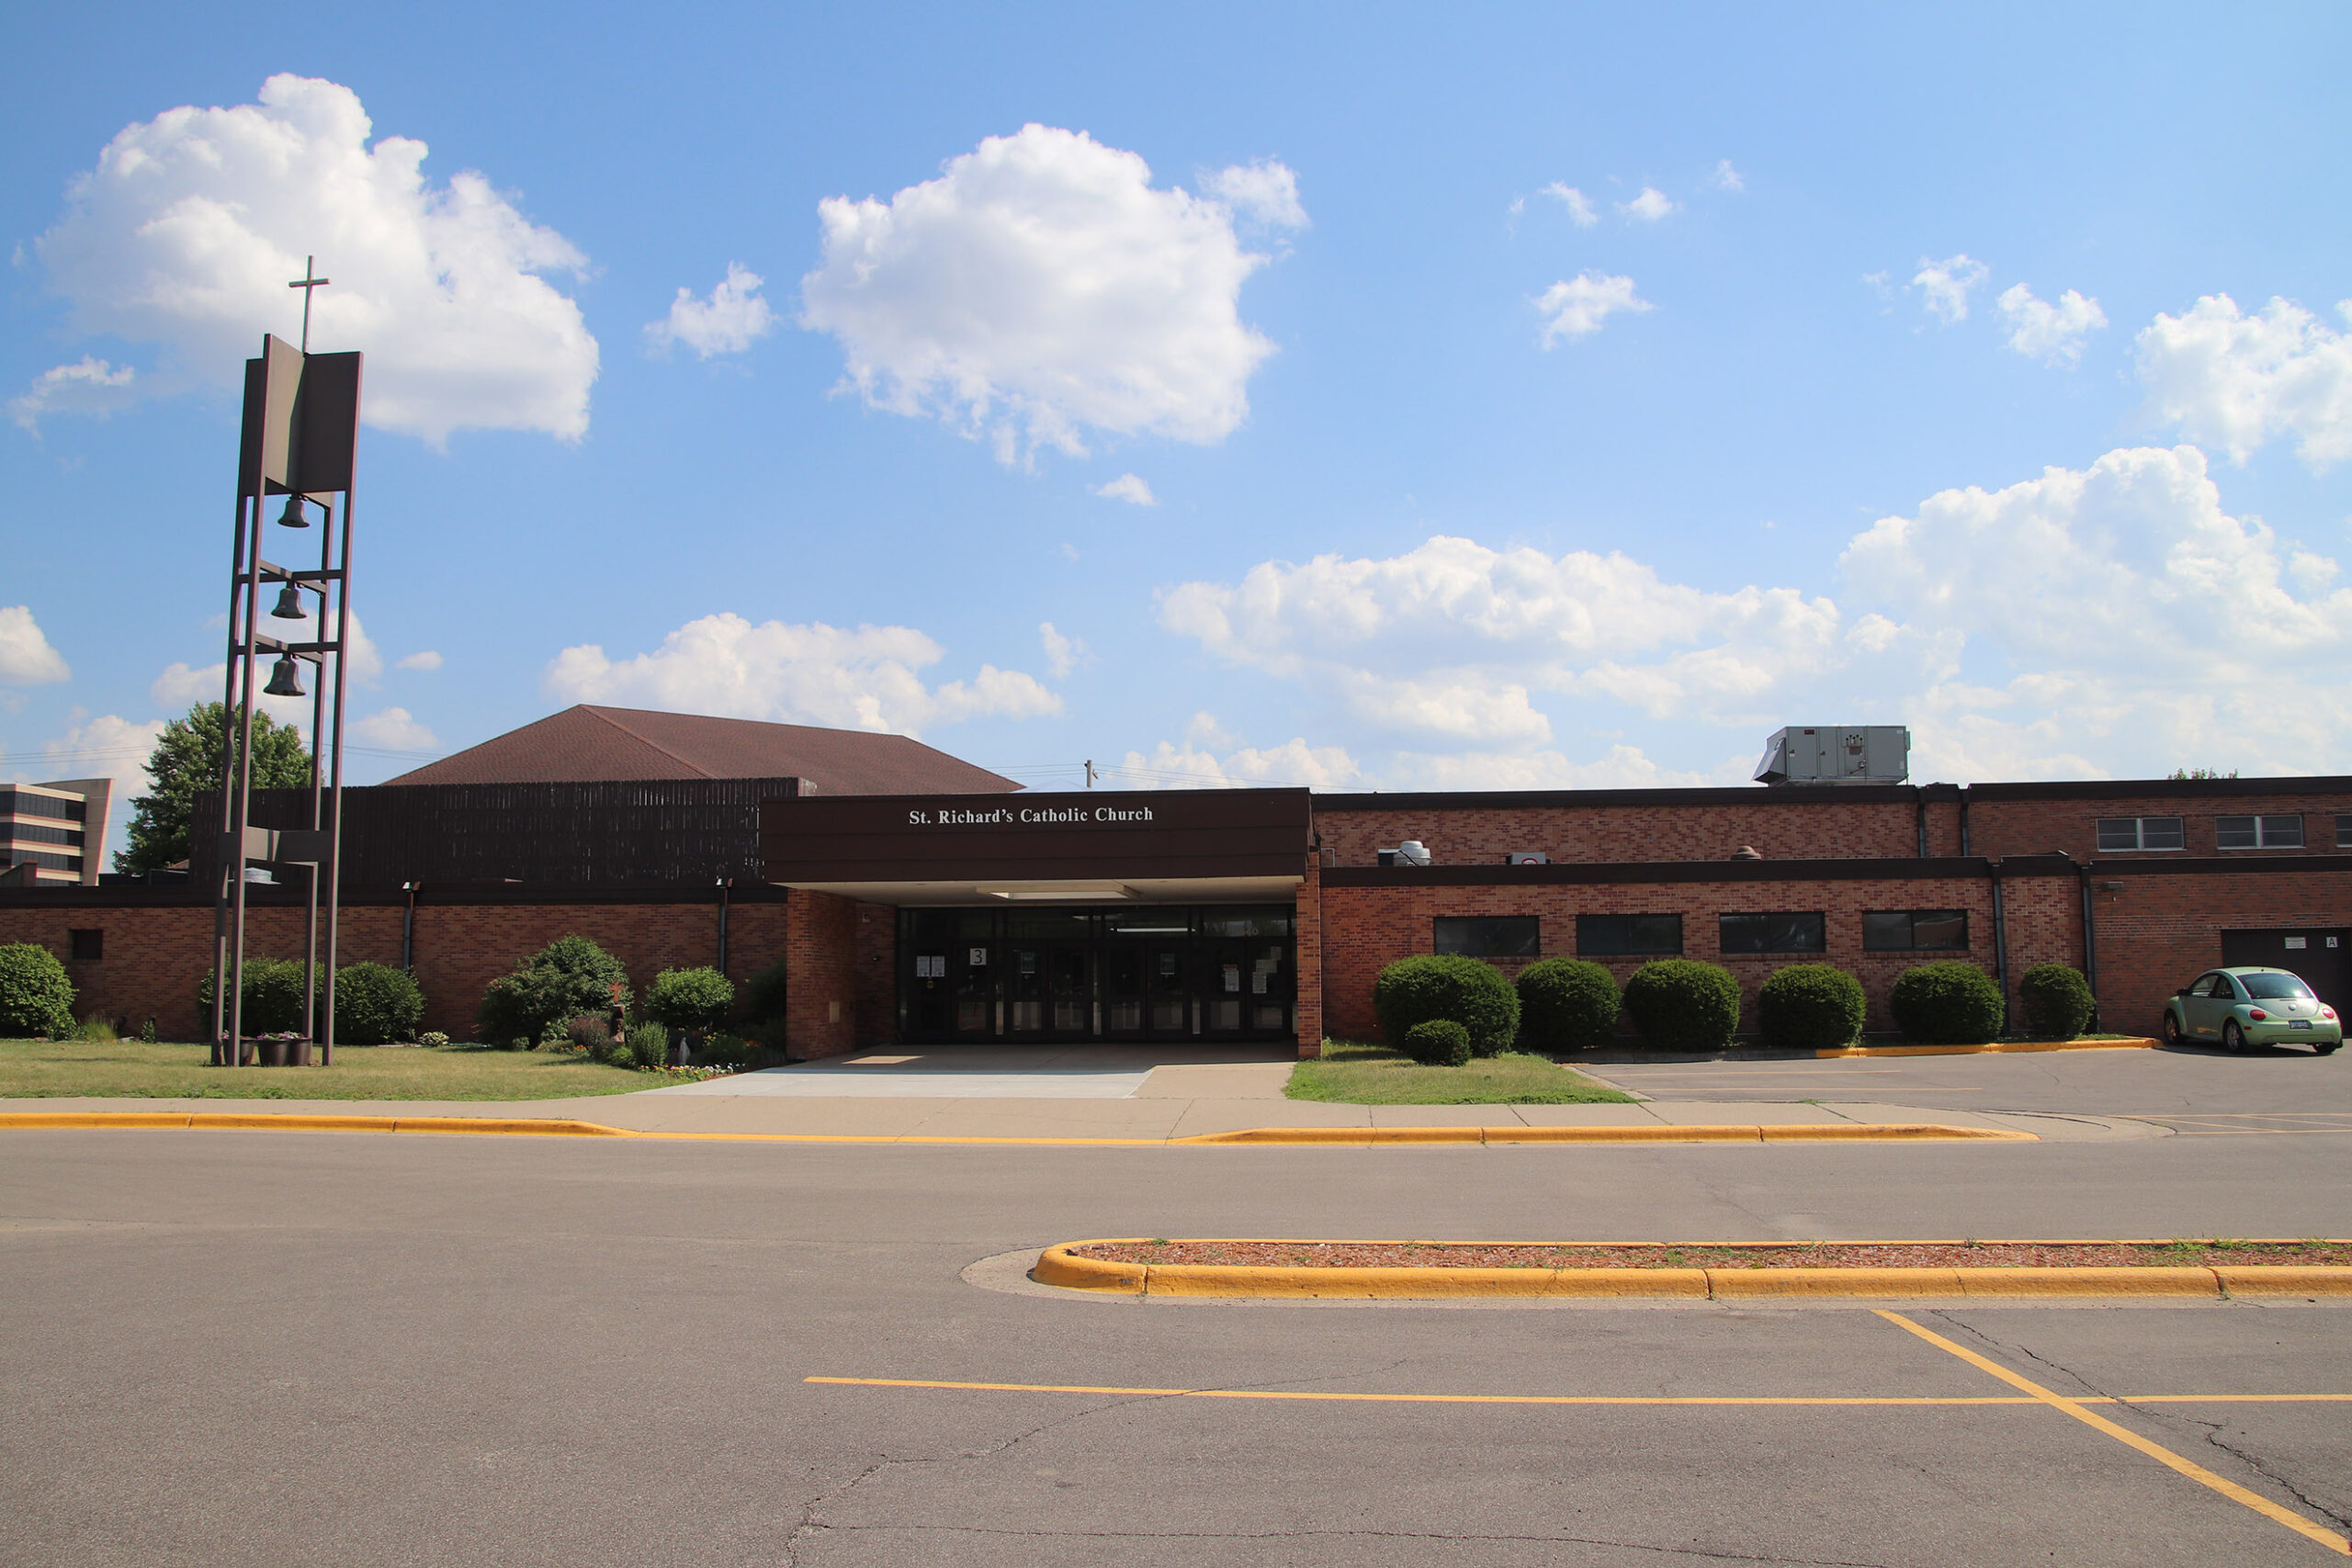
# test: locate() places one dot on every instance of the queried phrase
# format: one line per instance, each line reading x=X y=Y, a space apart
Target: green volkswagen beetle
x=2251 y=1006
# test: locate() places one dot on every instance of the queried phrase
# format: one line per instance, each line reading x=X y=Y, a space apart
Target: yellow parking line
x=2157 y=1451
x=1543 y=1398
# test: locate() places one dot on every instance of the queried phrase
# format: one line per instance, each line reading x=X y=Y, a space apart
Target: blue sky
x=1521 y=397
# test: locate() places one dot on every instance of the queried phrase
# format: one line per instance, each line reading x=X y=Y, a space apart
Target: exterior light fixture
x=293 y=516
x=283 y=681
x=289 y=604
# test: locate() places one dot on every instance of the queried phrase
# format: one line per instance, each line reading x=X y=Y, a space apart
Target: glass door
x=1072 y=992
x=1024 y=990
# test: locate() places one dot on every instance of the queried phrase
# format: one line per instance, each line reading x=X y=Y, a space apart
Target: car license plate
x=2299 y=1023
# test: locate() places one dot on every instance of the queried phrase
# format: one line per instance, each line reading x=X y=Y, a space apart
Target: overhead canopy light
x=1058 y=892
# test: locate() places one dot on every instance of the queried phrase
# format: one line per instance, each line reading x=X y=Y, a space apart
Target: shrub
x=433 y=1039
x=1472 y=993
x=1810 y=1007
x=273 y=992
x=96 y=1029
x=1680 y=1004
x=376 y=1004
x=1437 y=1042
x=763 y=993
x=1567 y=1004
x=1951 y=1003
x=530 y=1006
x=2057 y=1001
x=147 y=1032
x=36 y=994
x=694 y=999
x=646 y=1045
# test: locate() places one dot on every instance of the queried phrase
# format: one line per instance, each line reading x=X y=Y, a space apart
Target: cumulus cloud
x=393 y=729
x=1580 y=209
x=2236 y=381
x=2053 y=334
x=1726 y=177
x=424 y=659
x=1129 y=488
x=1944 y=285
x=182 y=685
x=187 y=230
x=26 y=658
x=863 y=678
x=732 y=318
x=1192 y=765
x=89 y=385
x=1041 y=286
x=1621 y=767
x=1063 y=654
x=1263 y=192
x=1577 y=307
x=1649 y=206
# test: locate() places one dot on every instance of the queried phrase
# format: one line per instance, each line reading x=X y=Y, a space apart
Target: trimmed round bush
x=531 y=1006
x=36 y=994
x=1437 y=1042
x=1951 y=1003
x=1810 y=1007
x=2056 y=1000
x=1681 y=1004
x=273 y=993
x=763 y=993
x=695 y=1000
x=376 y=1004
x=1472 y=993
x=1568 y=1004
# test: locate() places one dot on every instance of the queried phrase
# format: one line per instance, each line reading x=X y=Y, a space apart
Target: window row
x=2119 y=833
x=1660 y=936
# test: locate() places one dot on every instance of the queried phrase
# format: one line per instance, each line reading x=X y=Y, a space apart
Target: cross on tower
x=306 y=282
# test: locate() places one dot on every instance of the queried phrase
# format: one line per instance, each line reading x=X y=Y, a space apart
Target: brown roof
x=585 y=744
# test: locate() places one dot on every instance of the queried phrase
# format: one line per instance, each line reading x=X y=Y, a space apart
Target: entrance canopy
x=1094 y=847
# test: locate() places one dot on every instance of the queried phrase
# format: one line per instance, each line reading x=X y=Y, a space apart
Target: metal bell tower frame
x=301 y=439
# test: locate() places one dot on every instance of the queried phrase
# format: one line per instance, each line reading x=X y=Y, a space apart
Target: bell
x=283 y=680
x=290 y=605
x=293 y=516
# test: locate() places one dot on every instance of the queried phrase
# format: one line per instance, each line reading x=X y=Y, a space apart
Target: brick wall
x=2155 y=931
x=1306 y=1007
x=1776 y=830
x=2000 y=827
x=821 y=947
x=1366 y=928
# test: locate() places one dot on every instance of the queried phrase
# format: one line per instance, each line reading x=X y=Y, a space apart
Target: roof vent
x=1746 y=851
x=1412 y=852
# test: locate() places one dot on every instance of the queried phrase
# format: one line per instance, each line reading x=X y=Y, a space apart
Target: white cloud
x=2236 y=381
x=425 y=660
x=1649 y=206
x=1945 y=285
x=1621 y=767
x=2051 y=333
x=181 y=685
x=730 y=322
x=1041 y=286
x=1726 y=177
x=1577 y=307
x=1263 y=192
x=90 y=385
x=188 y=228
x=1580 y=209
x=1063 y=654
x=866 y=678
x=26 y=658
x=1128 y=488
x=393 y=729
x=1189 y=766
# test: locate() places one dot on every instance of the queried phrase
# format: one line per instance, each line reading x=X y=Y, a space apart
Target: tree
x=185 y=763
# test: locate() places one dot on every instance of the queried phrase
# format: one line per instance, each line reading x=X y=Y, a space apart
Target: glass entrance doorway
x=1176 y=974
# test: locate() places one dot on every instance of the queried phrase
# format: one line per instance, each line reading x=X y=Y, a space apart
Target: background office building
x=53 y=835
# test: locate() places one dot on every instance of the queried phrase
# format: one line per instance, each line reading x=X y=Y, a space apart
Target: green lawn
x=127 y=1070
x=1351 y=1074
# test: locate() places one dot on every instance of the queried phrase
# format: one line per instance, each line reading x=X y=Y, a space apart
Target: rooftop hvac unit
x=1826 y=754
x=1412 y=852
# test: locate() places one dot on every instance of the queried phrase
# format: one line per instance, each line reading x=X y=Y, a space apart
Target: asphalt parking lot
x=234 y=1347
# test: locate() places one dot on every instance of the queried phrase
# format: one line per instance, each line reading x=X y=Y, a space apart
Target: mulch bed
x=1795 y=1254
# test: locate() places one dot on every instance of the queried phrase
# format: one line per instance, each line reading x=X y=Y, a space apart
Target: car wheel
x=2328 y=1049
x=2233 y=1039
x=2173 y=1036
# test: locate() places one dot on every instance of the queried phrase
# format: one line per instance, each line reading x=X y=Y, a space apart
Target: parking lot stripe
x=2155 y=1450
x=1557 y=1398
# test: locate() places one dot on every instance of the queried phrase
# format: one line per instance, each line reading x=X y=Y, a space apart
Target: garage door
x=2322 y=957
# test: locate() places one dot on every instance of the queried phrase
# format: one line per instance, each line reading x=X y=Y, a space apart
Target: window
x=1915 y=931
x=1488 y=936
x=1774 y=933
x=2258 y=832
x=2343 y=832
x=38 y=833
x=87 y=946
x=1604 y=935
x=2139 y=833
x=2277 y=988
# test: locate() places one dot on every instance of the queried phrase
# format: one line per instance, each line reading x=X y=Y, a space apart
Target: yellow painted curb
x=1355 y=1138
x=1996 y=1048
x=1059 y=1265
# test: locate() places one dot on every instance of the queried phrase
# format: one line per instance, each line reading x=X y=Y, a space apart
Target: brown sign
x=1034 y=838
